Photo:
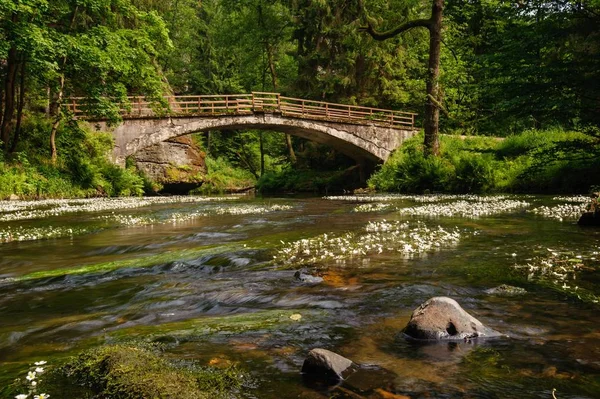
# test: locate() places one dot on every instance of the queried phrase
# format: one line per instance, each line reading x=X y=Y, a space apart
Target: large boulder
x=442 y=318
x=327 y=365
x=177 y=164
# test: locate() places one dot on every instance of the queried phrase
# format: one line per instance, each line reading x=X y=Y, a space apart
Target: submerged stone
x=442 y=318
x=506 y=290
x=304 y=277
x=589 y=219
x=327 y=365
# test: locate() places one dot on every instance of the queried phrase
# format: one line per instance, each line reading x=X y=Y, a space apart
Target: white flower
x=21 y=396
x=33 y=383
x=41 y=396
x=39 y=370
x=40 y=363
x=31 y=376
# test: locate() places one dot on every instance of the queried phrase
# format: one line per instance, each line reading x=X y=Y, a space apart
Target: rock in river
x=505 y=290
x=442 y=318
x=327 y=365
x=303 y=276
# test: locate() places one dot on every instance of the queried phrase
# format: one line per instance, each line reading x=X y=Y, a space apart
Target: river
x=214 y=279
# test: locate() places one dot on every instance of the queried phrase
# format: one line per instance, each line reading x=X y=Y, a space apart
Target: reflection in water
x=209 y=288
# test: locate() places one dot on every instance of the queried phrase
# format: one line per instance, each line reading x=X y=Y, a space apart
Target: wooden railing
x=247 y=104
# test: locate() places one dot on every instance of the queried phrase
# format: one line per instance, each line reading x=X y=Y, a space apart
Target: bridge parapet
x=248 y=104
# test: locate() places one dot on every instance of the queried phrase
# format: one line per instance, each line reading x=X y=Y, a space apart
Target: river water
x=214 y=279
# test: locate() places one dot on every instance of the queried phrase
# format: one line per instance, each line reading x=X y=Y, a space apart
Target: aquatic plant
x=573 y=198
x=561 y=269
x=179 y=217
x=409 y=239
x=375 y=207
x=20 y=233
x=466 y=209
x=31 y=383
x=22 y=210
x=561 y=211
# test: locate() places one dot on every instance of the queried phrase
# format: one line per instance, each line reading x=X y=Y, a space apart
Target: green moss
x=138 y=371
x=146 y=261
x=194 y=329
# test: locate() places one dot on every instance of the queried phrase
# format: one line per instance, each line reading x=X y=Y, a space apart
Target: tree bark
x=431 y=144
x=432 y=112
x=59 y=98
x=262 y=154
x=9 y=97
x=20 y=106
x=57 y=118
x=288 y=138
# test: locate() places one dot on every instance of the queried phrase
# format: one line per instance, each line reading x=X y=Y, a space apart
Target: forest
x=515 y=86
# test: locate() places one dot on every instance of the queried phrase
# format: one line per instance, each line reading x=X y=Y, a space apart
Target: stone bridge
x=365 y=134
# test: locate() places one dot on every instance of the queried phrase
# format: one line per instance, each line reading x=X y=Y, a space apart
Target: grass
x=551 y=161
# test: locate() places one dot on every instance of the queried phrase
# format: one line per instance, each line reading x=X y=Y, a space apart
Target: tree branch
x=417 y=23
x=380 y=36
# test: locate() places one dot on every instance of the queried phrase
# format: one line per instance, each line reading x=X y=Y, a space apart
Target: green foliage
x=223 y=177
x=84 y=169
x=537 y=161
x=308 y=180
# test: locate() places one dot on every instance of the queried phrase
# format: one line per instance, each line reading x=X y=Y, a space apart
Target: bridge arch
x=359 y=141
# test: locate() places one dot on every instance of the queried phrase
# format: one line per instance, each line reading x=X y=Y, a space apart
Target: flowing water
x=215 y=281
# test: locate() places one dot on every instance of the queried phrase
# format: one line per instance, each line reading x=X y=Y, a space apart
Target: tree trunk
x=17 y=134
x=262 y=154
x=57 y=118
x=431 y=145
x=9 y=97
x=288 y=138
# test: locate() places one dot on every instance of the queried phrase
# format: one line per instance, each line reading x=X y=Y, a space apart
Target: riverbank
x=550 y=161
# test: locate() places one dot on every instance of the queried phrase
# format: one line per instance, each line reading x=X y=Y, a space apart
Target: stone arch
x=361 y=142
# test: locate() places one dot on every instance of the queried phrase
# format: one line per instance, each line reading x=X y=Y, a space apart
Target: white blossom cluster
x=560 y=212
x=426 y=198
x=229 y=210
x=560 y=268
x=366 y=198
x=32 y=382
x=372 y=207
x=129 y=220
x=21 y=210
x=377 y=237
x=20 y=233
x=466 y=209
x=575 y=198
x=179 y=217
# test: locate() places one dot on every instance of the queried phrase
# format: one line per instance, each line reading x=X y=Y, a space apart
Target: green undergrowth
x=222 y=177
x=308 y=180
x=550 y=161
x=82 y=169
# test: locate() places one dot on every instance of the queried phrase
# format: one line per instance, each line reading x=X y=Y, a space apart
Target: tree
x=433 y=101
